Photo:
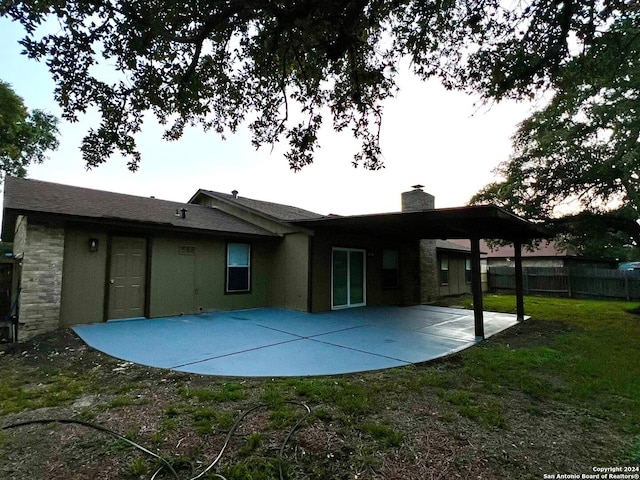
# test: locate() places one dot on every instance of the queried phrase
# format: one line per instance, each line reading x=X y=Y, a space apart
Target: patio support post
x=517 y=248
x=476 y=288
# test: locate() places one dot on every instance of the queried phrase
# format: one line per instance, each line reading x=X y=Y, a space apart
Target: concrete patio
x=276 y=343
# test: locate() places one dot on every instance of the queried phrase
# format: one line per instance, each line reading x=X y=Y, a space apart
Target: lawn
x=558 y=394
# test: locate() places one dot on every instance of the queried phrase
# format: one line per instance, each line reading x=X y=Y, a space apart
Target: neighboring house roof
x=277 y=211
x=546 y=248
x=451 y=246
x=23 y=196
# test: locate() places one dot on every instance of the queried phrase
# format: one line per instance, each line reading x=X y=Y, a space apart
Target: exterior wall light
x=93 y=245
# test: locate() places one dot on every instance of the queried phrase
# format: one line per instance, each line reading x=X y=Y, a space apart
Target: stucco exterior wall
x=290 y=281
x=40 y=249
x=177 y=283
x=184 y=284
x=322 y=245
x=83 y=276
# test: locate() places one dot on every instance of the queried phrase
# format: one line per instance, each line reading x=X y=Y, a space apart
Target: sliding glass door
x=348 y=278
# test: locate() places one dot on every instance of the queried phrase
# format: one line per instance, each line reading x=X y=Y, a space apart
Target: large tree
x=576 y=162
x=220 y=63
x=24 y=137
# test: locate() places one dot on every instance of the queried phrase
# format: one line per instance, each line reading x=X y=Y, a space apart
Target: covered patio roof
x=484 y=221
x=473 y=223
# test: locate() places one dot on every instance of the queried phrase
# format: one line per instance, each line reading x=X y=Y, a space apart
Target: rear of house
x=85 y=256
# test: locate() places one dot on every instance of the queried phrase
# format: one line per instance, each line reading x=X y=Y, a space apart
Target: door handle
x=112 y=281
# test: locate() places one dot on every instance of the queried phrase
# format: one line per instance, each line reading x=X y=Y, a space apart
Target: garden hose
x=165 y=463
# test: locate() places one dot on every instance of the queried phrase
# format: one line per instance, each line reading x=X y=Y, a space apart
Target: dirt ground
x=424 y=422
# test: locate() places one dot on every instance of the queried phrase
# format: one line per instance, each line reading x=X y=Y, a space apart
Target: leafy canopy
x=576 y=162
x=282 y=66
x=24 y=138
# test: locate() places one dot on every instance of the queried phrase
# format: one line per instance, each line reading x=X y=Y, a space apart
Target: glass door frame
x=364 y=278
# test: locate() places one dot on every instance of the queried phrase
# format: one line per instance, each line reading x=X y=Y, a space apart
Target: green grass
x=258 y=469
x=590 y=359
x=229 y=392
x=253 y=442
x=40 y=390
x=384 y=434
x=136 y=468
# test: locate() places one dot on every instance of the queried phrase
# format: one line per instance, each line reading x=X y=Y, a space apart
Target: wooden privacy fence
x=573 y=282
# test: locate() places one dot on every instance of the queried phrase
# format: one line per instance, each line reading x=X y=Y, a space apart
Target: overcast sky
x=429 y=136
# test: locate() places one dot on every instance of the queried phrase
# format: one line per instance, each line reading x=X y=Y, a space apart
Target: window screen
x=238 y=267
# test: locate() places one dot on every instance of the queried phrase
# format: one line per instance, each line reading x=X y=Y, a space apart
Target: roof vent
x=182 y=213
x=234 y=193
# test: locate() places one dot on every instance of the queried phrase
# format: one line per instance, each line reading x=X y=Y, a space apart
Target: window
x=467 y=270
x=238 y=267
x=444 y=270
x=390 y=270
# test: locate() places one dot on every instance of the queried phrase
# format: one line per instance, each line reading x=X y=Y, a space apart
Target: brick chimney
x=427 y=288
x=417 y=199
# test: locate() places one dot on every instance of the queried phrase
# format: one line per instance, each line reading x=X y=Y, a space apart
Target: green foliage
x=223 y=64
x=24 y=137
x=576 y=161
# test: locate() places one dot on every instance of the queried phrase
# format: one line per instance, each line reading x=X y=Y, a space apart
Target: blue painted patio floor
x=271 y=342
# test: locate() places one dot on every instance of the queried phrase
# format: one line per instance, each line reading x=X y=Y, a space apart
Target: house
x=85 y=256
x=454 y=268
x=546 y=254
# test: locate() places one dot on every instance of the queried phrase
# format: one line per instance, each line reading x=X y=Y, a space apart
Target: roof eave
x=12 y=214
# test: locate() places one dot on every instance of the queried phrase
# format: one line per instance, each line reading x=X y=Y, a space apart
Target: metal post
x=476 y=289
x=517 y=247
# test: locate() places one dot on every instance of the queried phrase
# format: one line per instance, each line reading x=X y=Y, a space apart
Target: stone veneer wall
x=414 y=201
x=429 y=272
x=41 y=249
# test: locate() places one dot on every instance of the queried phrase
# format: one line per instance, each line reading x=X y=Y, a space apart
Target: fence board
x=575 y=282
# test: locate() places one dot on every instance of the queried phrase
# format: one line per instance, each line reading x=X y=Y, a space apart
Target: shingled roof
x=283 y=213
x=24 y=196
